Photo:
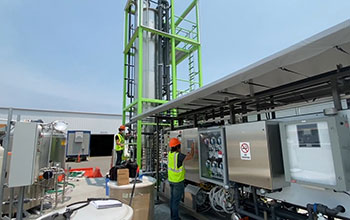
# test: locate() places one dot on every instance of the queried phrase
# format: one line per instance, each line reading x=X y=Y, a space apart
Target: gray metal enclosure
x=78 y=143
x=316 y=152
x=264 y=166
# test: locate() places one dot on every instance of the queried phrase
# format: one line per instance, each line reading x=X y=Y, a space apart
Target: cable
x=219 y=200
x=341 y=192
x=133 y=187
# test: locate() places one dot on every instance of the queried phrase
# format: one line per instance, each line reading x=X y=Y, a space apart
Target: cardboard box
x=123 y=177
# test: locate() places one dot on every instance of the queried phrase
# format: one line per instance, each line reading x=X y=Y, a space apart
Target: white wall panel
x=95 y=122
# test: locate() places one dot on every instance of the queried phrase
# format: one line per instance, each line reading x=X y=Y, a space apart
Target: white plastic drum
x=143 y=201
x=124 y=212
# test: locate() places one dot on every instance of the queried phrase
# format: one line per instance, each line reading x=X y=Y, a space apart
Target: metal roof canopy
x=312 y=60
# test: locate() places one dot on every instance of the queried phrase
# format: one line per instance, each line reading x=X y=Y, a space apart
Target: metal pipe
x=56 y=189
x=256 y=208
x=289 y=215
x=158 y=78
x=166 y=53
x=64 y=186
x=50 y=145
x=236 y=195
x=273 y=212
x=12 y=192
x=335 y=93
x=6 y=150
x=279 y=212
x=157 y=160
x=240 y=210
x=42 y=201
x=19 y=215
x=243 y=212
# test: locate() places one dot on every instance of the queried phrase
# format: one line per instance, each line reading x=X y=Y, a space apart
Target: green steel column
x=140 y=96
x=173 y=52
x=139 y=143
x=199 y=50
x=125 y=67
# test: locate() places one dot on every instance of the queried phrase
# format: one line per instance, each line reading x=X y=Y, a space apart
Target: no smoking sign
x=245 y=150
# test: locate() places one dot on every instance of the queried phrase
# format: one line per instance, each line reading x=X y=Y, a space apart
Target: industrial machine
x=36 y=157
x=273 y=138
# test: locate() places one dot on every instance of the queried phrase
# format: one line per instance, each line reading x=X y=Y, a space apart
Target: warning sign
x=245 y=150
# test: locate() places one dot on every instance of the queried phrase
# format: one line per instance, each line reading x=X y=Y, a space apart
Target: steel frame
x=130 y=38
x=330 y=84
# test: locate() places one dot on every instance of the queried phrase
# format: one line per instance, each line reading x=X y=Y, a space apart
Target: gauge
x=206 y=141
x=221 y=166
x=208 y=164
x=219 y=141
x=213 y=140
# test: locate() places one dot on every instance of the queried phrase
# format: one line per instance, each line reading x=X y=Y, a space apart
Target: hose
x=320 y=208
x=220 y=200
x=133 y=187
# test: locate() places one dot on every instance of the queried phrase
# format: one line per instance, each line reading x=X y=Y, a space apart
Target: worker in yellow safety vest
x=176 y=175
x=120 y=143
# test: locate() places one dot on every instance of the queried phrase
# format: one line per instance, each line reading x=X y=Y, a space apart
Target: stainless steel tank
x=57 y=151
x=148 y=81
x=149 y=58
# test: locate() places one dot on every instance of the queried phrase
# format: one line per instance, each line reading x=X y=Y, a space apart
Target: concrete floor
x=104 y=163
x=162 y=211
x=95 y=188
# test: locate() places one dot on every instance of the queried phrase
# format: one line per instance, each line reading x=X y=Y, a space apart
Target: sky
x=67 y=54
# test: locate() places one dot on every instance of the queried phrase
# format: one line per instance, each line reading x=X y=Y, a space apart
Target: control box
x=316 y=152
x=78 y=143
x=254 y=154
x=212 y=156
x=24 y=159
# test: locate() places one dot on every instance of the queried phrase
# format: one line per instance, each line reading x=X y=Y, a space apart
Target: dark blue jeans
x=176 y=194
x=119 y=155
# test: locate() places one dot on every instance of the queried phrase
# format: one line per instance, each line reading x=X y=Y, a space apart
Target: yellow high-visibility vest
x=175 y=175
x=121 y=141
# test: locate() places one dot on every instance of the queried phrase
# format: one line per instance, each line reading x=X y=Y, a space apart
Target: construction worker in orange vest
x=176 y=175
x=120 y=143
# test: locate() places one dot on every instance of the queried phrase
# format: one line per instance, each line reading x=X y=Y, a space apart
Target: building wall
x=97 y=123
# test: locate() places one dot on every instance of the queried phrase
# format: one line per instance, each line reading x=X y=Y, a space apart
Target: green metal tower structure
x=157 y=45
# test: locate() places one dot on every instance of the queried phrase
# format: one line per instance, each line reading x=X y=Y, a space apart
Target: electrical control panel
x=316 y=152
x=24 y=159
x=212 y=154
x=78 y=143
x=254 y=154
